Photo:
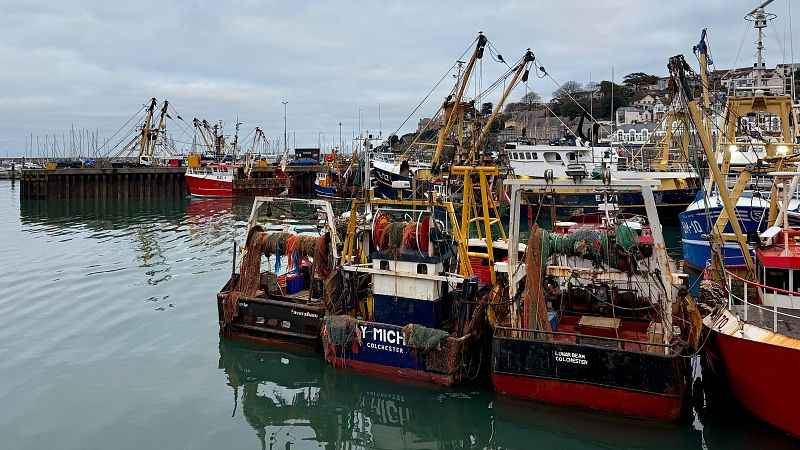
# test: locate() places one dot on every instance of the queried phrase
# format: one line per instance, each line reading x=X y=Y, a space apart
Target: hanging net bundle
x=296 y=248
x=339 y=331
x=615 y=248
x=422 y=338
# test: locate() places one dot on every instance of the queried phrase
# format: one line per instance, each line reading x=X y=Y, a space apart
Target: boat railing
x=730 y=277
x=583 y=339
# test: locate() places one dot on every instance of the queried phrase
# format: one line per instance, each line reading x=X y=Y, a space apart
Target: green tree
x=622 y=97
x=639 y=80
x=529 y=101
x=568 y=89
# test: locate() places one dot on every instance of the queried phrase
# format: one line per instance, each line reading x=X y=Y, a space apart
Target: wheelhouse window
x=777 y=278
x=422 y=269
x=384 y=265
x=535 y=155
x=527 y=155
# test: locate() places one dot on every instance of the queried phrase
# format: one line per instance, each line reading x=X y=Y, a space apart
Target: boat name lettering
x=387 y=339
x=570 y=357
x=303 y=313
x=720 y=320
x=692 y=227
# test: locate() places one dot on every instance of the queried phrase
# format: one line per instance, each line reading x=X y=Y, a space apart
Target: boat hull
x=323 y=191
x=383 y=352
x=202 y=186
x=271 y=320
x=669 y=202
x=696 y=247
x=384 y=180
x=631 y=383
x=762 y=377
x=329 y=192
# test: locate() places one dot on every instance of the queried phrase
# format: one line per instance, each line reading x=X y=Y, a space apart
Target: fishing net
x=446 y=357
x=422 y=338
x=341 y=329
x=249 y=273
x=613 y=248
x=338 y=331
x=535 y=314
x=297 y=248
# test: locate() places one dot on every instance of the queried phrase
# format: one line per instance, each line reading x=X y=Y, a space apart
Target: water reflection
x=284 y=394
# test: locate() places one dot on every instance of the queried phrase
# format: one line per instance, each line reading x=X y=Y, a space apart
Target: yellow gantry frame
x=728 y=205
x=469 y=207
x=349 y=252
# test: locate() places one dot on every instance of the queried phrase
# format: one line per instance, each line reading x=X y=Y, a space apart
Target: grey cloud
x=94 y=63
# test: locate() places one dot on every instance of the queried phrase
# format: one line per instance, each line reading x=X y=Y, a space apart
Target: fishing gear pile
x=338 y=331
x=296 y=248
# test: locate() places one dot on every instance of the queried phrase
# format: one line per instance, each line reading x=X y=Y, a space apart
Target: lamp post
x=285 y=140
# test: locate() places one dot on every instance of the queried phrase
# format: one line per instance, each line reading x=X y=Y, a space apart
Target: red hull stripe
x=588 y=396
x=205 y=187
x=393 y=373
x=763 y=378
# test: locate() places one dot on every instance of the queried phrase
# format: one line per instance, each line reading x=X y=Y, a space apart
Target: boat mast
x=759 y=19
x=450 y=118
x=677 y=67
x=518 y=71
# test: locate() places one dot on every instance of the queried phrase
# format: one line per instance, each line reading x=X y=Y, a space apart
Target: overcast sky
x=92 y=64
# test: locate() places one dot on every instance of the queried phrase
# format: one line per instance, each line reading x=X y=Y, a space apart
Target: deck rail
x=729 y=279
x=522 y=333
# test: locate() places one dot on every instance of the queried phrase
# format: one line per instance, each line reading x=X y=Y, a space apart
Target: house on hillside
x=637 y=133
x=643 y=101
x=538 y=124
x=742 y=81
x=632 y=114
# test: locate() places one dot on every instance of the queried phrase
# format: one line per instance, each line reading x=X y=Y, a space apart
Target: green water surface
x=109 y=340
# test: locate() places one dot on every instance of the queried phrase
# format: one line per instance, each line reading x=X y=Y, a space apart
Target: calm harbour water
x=109 y=339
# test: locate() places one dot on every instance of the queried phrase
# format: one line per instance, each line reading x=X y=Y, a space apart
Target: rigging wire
x=435 y=86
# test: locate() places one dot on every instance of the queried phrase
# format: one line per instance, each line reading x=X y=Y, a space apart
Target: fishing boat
x=340 y=180
x=594 y=322
x=285 y=302
x=759 y=124
x=410 y=309
x=227 y=177
x=226 y=180
x=754 y=326
x=757 y=361
x=680 y=182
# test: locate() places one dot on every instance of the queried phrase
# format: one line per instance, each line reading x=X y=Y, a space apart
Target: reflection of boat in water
x=515 y=421
x=280 y=392
x=209 y=207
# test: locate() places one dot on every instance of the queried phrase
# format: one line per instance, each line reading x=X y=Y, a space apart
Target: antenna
x=759 y=18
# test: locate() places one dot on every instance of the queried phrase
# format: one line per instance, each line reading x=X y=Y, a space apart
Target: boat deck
x=764 y=317
x=603 y=331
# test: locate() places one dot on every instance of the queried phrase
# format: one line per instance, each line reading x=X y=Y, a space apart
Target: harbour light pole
x=285 y=139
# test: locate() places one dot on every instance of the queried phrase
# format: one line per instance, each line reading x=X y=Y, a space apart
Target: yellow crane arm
x=522 y=67
x=450 y=119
